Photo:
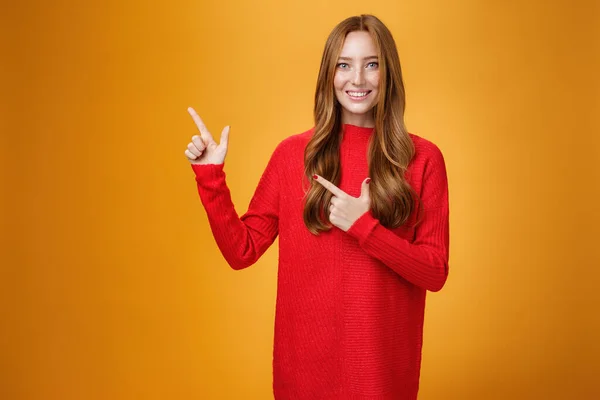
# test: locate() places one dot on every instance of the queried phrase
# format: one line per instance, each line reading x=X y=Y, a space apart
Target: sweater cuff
x=207 y=173
x=362 y=228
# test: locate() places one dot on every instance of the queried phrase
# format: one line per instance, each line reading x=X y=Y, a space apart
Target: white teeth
x=358 y=94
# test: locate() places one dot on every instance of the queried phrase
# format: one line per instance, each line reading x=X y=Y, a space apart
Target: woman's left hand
x=344 y=209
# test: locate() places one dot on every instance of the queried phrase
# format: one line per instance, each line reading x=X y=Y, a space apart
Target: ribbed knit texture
x=349 y=310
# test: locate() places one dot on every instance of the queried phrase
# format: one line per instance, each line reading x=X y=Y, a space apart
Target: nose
x=358 y=77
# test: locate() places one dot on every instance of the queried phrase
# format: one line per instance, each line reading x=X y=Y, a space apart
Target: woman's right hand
x=203 y=149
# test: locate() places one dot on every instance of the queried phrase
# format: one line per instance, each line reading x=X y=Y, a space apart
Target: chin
x=357 y=110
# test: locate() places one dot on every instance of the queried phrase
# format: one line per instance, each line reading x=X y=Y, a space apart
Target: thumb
x=225 y=137
x=364 y=189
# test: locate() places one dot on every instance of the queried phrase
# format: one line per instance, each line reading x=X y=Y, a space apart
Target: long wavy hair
x=390 y=148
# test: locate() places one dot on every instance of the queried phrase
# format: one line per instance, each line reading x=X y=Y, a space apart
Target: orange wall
x=113 y=285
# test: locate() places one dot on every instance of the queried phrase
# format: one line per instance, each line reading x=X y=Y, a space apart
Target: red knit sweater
x=349 y=310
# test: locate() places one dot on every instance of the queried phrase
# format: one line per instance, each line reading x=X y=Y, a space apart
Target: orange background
x=113 y=287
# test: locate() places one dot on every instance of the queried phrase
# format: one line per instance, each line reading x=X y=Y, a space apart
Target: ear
x=364 y=189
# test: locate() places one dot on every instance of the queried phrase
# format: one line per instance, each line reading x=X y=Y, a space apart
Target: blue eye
x=376 y=64
x=340 y=65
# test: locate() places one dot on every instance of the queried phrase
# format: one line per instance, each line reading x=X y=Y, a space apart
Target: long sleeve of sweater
x=423 y=262
x=242 y=240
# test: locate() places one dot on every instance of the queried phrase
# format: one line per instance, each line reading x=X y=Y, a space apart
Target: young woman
x=361 y=209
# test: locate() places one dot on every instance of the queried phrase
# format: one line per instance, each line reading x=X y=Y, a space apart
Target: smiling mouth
x=358 y=94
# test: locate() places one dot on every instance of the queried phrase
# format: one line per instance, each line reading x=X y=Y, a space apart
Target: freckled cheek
x=339 y=82
x=374 y=79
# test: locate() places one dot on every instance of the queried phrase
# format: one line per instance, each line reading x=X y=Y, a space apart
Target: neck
x=362 y=120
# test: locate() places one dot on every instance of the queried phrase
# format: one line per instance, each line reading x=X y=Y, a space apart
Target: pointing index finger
x=330 y=186
x=200 y=124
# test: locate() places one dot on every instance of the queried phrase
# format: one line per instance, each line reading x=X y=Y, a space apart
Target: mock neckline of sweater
x=349 y=128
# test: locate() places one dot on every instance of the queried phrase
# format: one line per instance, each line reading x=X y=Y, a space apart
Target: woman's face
x=356 y=79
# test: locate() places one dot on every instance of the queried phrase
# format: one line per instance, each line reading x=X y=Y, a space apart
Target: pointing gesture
x=344 y=209
x=203 y=149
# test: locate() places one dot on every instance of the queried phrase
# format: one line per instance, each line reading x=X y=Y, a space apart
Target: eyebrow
x=366 y=58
